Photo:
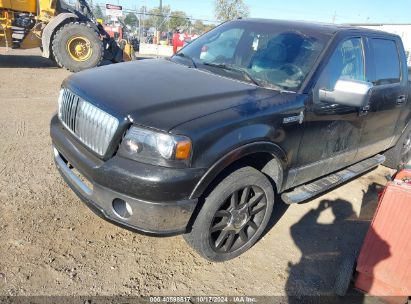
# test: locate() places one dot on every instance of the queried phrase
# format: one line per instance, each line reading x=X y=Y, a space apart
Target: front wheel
x=233 y=216
x=77 y=46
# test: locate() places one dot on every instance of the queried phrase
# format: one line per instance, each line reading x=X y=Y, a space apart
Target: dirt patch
x=51 y=244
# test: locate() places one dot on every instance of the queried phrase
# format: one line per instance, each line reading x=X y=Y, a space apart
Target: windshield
x=266 y=54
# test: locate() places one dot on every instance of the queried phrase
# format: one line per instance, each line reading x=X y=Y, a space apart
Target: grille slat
x=66 y=116
x=91 y=125
x=70 y=115
x=99 y=129
x=64 y=112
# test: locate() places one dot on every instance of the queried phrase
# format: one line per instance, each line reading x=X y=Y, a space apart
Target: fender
x=50 y=28
x=273 y=168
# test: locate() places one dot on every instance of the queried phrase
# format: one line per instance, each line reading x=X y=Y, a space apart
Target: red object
x=384 y=263
x=114 y=31
x=404 y=175
x=114 y=7
x=178 y=40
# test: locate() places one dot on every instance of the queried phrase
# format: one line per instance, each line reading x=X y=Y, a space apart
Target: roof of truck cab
x=320 y=27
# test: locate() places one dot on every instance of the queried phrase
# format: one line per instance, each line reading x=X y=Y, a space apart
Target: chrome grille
x=92 y=126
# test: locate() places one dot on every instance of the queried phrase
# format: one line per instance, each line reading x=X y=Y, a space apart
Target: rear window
x=386 y=61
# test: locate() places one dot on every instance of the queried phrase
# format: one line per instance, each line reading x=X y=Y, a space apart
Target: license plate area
x=76 y=179
x=81 y=177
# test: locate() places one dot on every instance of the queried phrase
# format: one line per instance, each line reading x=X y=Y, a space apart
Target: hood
x=159 y=93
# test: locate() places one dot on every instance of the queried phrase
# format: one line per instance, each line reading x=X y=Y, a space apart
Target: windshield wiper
x=247 y=75
x=229 y=67
x=188 y=57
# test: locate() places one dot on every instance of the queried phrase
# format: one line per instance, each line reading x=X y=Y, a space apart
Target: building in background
x=402 y=30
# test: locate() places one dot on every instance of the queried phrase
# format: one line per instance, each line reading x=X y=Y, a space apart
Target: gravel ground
x=51 y=244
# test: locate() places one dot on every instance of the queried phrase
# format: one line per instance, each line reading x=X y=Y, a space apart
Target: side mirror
x=353 y=93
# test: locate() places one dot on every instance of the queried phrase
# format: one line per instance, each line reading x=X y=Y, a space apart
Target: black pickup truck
x=254 y=111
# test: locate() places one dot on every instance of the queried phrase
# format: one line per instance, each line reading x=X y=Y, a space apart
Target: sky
x=342 y=11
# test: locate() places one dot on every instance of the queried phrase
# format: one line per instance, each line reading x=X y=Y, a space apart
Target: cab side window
x=386 y=61
x=347 y=62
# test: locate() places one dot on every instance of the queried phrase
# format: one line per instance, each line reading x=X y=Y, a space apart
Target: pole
x=334 y=16
x=161 y=23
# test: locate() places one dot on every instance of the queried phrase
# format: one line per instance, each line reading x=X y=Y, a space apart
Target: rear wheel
x=77 y=46
x=233 y=216
x=399 y=155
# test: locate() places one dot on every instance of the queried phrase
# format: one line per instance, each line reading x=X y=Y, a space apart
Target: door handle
x=401 y=100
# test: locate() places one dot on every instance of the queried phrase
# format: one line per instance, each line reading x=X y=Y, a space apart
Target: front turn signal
x=183 y=150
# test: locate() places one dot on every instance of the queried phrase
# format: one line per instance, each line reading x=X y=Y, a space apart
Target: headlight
x=157 y=148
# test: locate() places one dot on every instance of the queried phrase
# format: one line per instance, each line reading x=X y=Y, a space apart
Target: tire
x=77 y=34
x=345 y=274
x=399 y=155
x=234 y=215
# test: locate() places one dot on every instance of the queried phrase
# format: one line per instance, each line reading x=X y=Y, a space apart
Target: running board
x=305 y=192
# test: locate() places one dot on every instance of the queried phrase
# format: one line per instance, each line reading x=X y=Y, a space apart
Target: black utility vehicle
x=203 y=143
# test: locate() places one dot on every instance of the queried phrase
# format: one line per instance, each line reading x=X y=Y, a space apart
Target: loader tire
x=77 y=46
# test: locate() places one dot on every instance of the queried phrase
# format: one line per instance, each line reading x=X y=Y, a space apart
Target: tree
x=97 y=12
x=178 y=19
x=208 y=27
x=230 y=9
x=157 y=19
x=131 y=19
x=142 y=16
x=199 y=27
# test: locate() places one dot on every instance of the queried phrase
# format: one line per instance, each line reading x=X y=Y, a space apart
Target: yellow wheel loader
x=69 y=35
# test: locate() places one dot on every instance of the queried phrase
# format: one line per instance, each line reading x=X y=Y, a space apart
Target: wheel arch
x=267 y=157
x=51 y=29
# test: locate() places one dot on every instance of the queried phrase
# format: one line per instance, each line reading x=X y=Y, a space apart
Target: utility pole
x=161 y=22
x=142 y=18
x=334 y=17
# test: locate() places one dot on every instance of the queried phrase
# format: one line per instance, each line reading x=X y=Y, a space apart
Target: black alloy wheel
x=234 y=215
x=238 y=219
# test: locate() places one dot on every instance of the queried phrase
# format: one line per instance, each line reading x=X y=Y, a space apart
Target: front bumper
x=144 y=198
x=167 y=218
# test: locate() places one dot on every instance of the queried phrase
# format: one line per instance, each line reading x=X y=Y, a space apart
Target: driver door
x=332 y=131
